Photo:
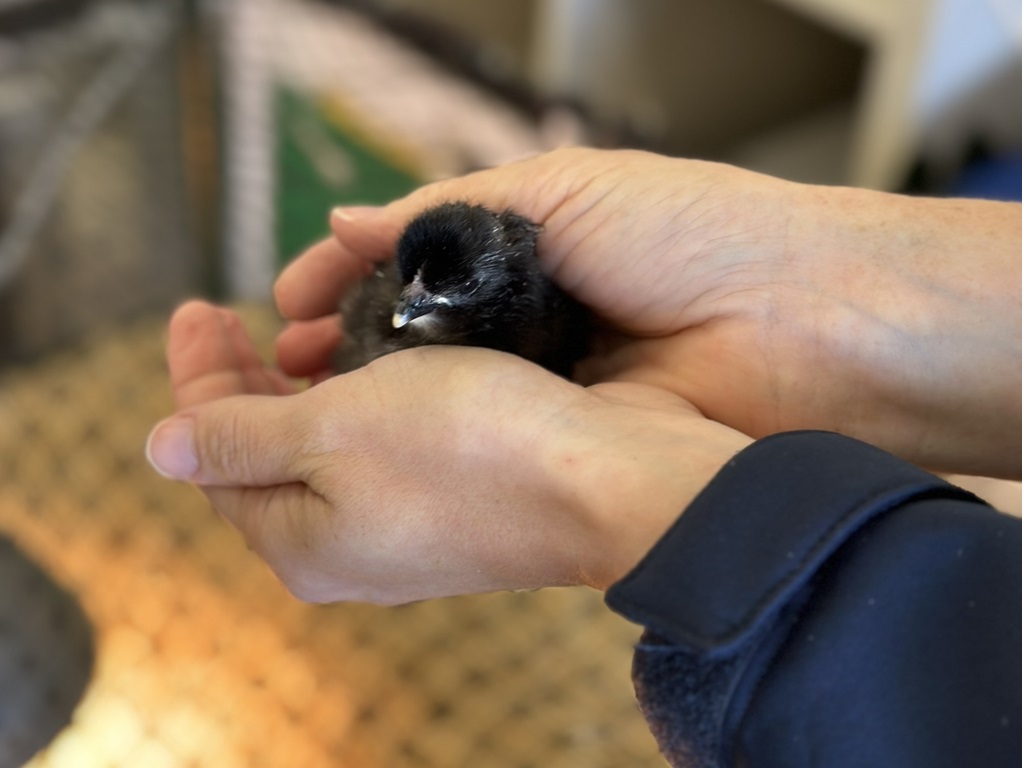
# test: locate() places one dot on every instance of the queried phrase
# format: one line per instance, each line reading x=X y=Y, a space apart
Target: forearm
x=919 y=313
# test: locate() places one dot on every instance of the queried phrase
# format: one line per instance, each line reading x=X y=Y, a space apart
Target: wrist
x=631 y=461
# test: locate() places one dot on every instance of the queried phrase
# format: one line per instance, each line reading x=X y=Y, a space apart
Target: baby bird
x=463 y=274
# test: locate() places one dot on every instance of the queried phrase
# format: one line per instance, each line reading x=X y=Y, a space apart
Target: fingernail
x=341 y=214
x=171 y=449
x=346 y=214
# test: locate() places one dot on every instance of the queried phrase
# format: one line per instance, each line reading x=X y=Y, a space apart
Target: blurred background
x=152 y=151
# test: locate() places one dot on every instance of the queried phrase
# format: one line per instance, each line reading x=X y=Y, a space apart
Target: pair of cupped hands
x=730 y=307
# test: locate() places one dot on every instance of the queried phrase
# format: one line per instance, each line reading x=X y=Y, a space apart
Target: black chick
x=463 y=274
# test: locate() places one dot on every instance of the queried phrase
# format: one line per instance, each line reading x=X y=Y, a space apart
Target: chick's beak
x=415 y=301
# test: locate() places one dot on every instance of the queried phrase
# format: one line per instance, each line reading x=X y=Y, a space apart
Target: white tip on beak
x=399 y=320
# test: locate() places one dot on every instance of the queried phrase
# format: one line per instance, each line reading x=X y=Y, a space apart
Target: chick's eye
x=471 y=285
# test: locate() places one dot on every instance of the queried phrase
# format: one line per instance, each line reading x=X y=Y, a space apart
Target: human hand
x=430 y=472
x=768 y=305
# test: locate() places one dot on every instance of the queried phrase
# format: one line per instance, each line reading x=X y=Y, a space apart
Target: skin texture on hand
x=768 y=305
x=375 y=487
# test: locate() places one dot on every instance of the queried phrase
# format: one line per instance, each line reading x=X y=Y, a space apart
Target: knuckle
x=228 y=446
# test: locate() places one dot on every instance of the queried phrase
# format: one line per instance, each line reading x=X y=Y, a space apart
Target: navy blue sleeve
x=823 y=603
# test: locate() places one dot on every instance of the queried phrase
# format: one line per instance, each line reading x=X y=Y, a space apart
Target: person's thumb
x=246 y=440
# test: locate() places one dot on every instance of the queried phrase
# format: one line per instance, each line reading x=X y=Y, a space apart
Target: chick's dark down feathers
x=463 y=274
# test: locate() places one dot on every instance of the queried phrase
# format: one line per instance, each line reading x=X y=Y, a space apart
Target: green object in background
x=324 y=160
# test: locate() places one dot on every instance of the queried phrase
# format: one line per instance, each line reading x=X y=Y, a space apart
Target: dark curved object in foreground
x=46 y=656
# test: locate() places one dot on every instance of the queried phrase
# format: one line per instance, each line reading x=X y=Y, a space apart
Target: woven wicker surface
x=204 y=659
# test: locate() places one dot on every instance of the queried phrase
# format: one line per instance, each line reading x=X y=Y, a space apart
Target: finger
x=305 y=348
x=311 y=285
x=210 y=356
x=246 y=440
x=533 y=187
x=369 y=232
x=258 y=377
